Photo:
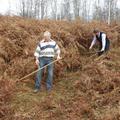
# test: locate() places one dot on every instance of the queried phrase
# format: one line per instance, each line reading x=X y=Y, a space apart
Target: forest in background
x=102 y=10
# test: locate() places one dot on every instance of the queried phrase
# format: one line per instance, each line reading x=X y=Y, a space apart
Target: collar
x=47 y=41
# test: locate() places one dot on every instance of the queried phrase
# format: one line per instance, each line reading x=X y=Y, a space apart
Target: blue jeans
x=42 y=62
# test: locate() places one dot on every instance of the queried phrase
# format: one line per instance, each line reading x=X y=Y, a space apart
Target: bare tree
x=22 y=8
x=33 y=8
x=66 y=10
x=98 y=13
x=76 y=7
x=84 y=9
x=107 y=12
x=44 y=8
x=109 y=5
x=9 y=12
x=54 y=9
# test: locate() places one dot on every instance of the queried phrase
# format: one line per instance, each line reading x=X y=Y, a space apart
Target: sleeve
x=37 y=51
x=93 y=42
x=103 y=42
x=57 y=49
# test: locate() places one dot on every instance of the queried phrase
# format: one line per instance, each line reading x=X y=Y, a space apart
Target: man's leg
x=50 y=75
x=39 y=75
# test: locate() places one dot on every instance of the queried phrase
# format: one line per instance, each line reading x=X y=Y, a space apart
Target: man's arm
x=93 y=42
x=36 y=54
x=57 y=51
x=103 y=42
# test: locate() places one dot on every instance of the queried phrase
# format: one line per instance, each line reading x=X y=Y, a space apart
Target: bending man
x=103 y=40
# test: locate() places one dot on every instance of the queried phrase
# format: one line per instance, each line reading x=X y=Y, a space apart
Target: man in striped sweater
x=45 y=52
x=103 y=40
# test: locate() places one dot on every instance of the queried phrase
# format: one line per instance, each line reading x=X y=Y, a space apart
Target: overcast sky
x=6 y=5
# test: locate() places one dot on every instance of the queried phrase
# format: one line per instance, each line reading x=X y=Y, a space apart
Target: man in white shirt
x=45 y=52
x=102 y=39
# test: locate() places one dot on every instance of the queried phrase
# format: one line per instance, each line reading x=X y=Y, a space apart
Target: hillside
x=86 y=87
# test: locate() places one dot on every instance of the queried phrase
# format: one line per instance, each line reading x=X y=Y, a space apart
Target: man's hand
x=101 y=50
x=58 y=57
x=37 y=62
x=90 y=48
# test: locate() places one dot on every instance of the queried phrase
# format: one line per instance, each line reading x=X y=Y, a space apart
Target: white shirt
x=103 y=41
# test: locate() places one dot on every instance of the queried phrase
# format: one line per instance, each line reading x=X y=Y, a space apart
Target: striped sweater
x=47 y=49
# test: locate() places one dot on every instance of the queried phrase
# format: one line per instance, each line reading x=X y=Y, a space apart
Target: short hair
x=47 y=33
x=95 y=31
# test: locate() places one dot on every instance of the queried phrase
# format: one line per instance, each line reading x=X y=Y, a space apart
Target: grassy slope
x=67 y=101
x=91 y=93
x=26 y=102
